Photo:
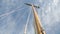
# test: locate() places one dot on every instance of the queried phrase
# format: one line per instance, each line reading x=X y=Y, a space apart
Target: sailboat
x=37 y=24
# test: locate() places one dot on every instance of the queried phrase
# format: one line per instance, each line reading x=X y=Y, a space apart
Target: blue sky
x=14 y=14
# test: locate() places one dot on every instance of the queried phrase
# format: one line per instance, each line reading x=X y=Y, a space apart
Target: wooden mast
x=38 y=24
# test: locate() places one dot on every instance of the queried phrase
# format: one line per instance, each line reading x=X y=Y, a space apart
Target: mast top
x=31 y=5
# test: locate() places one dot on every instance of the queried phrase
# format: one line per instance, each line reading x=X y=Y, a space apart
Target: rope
x=6 y=14
x=27 y=23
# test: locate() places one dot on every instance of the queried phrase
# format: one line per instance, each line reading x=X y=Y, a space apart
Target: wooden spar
x=38 y=24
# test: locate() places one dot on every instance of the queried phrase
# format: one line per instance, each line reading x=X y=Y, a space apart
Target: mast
x=38 y=26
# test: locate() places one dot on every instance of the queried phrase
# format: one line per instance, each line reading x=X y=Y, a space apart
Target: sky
x=14 y=15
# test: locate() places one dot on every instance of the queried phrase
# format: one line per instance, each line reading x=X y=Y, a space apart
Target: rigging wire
x=25 y=29
x=6 y=14
x=12 y=11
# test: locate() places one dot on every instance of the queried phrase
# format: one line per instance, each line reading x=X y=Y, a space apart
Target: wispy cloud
x=50 y=16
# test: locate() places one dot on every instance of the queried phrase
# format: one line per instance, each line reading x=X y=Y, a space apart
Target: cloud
x=50 y=16
x=55 y=2
x=7 y=27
